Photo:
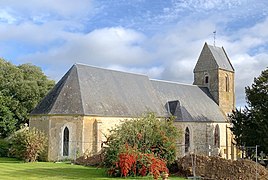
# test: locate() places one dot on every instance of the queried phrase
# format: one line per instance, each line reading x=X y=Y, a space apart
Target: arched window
x=187 y=139
x=226 y=83
x=66 y=142
x=217 y=136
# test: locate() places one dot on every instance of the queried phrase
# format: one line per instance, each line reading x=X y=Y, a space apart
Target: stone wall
x=87 y=134
x=202 y=139
x=217 y=87
x=226 y=96
x=54 y=126
x=95 y=131
x=213 y=83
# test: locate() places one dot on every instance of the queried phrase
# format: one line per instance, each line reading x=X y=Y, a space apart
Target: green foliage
x=250 y=126
x=21 y=88
x=148 y=134
x=4 y=148
x=27 y=144
x=7 y=120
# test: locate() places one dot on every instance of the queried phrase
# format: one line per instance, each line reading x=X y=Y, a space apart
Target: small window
x=217 y=136
x=187 y=140
x=206 y=79
x=227 y=83
x=66 y=142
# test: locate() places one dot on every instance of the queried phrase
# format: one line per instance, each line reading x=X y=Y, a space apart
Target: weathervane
x=214 y=33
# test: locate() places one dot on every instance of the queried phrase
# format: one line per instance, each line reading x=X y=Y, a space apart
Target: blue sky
x=160 y=38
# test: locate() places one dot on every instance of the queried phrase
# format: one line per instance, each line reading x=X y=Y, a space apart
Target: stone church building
x=88 y=101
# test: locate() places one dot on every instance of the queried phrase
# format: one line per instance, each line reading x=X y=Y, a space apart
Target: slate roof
x=221 y=58
x=86 y=90
x=64 y=98
x=213 y=57
x=194 y=103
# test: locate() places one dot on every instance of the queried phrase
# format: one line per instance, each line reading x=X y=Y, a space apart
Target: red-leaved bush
x=135 y=163
x=157 y=166
x=127 y=162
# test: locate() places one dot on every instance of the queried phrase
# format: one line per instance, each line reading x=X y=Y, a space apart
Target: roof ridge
x=172 y=82
x=107 y=69
x=210 y=48
x=214 y=46
x=62 y=85
x=55 y=92
x=79 y=90
x=221 y=63
x=228 y=58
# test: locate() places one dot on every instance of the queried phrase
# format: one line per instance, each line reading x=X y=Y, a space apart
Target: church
x=78 y=112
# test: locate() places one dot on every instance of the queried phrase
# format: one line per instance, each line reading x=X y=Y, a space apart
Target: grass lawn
x=14 y=169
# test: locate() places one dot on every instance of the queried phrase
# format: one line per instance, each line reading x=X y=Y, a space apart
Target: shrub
x=138 y=138
x=28 y=144
x=156 y=166
x=132 y=162
x=4 y=148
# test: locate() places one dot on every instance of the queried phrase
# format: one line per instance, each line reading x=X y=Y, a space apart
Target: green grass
x=14 y=169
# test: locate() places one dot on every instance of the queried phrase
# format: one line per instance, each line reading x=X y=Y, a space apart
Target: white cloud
x=38 y=23
x=259 y=30
x=247 y=67
x=102 y=47
x=153 y=72
x=206 y=4
x=33 y=34
x=246 y=39
x=6 y=17
x=109 y=45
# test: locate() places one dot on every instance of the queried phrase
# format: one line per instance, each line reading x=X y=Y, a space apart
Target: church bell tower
x=215 y=71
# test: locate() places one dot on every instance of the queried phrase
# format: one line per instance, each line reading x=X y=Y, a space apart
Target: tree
x=250 y=126
x=21 y=88
x=147 y=137
x=7 y=121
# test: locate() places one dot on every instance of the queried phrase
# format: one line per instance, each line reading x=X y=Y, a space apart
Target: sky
x=159 y=38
